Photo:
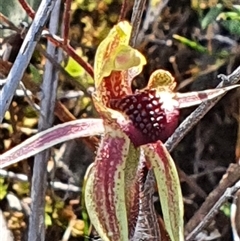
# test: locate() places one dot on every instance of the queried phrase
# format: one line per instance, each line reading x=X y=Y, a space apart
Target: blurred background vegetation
x=193 y=39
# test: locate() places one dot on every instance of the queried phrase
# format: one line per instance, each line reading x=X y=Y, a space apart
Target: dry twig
x=123 y=10
x=54 y=184
x=24 y=55
x=214 y=210
x=197 y=222
x=66 y=20
x=59 y=42
x=30 y=12
x=36 y=230
x=138 y=9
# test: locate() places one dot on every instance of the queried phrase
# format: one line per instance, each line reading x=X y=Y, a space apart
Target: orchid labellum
x=133 y=126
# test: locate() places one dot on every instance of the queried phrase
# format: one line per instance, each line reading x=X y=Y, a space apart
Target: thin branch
x=57 y=41
x=123 y=10
x=30 y=12
x=58 y=66
x=201 y=111
x=138 y=9
x=36 y=230
x=153 y=11
x=9 y=23
x=230 y=178
x=71 y=51
x=28 y=97
x=24 y=55
x=191 y=183
x=54 y=184
x=212 y=213
x=66 y=20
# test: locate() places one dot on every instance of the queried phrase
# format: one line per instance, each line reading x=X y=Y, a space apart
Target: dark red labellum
x=155 y=119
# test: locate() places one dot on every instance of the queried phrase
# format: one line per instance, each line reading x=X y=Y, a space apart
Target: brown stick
x=30 y=12
x=36 y=231
x=59 y=42
x=138 y=9
x=230 y=178
x=123 y=10
x=66 y=20
x=9 y=23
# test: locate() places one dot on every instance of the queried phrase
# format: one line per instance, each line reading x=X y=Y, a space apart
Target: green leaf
x=48 y=220
x=37 y=78
x=192 y=44
x=232 y=26
x=22 y=188
x=73 y=68
x=226 y=209
x=211 y=15
x=3 y=188
x=48 y=205
x=169 y=188
x=229 y=15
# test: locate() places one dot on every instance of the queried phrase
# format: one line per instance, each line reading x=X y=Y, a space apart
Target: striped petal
x=168 y=187
x=105 y=189
x=147 y=227
x=116 y=64
x=132 y=187
x=194 y=98
x=50 y=137
x=112 y=191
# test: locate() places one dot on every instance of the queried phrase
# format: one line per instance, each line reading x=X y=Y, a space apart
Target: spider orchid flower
x=131 y=120
x=133 y=126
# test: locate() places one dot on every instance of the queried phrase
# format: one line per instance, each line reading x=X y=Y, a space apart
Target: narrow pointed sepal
x=50 y=137
x=105 y=189
x=169 y=188
x=132 y=187
x=147 y=227
x=195 y=98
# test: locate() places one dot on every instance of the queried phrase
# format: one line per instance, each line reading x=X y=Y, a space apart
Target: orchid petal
x=132 y=187
x=119 y=122
x=128 y=57
x=169 y=188
x=105 y=190
x=50 y=137
x=194 y=98
x=119 y=34
x=162 y=80
x=147 y=227
x=116 y=64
